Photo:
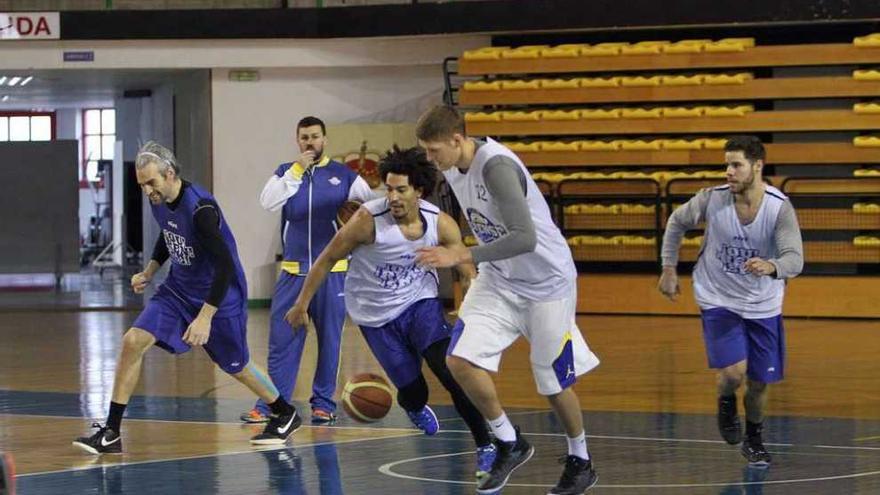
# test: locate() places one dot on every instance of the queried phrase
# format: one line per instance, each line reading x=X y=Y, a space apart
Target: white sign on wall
x=29 y=26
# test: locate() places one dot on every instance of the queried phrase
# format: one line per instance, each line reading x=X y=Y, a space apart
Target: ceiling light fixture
x=14 y=80
x=5 y=98
x=26 y=80
x=2 y=80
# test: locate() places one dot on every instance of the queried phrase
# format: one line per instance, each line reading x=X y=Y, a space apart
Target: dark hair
x=440 y=122
x=413 y=163
x=750 y=146
x=310 y=121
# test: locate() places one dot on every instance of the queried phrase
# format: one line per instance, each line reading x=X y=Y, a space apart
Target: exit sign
x=244 y=75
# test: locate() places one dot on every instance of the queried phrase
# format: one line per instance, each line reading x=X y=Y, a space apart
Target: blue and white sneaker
x=425 y=420
x=485 y=458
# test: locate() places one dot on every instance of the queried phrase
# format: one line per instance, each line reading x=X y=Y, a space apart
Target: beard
x=744 y=185
x=319 y=152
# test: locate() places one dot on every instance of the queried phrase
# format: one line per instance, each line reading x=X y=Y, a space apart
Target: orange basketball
x=345 y=212
x=367 y=398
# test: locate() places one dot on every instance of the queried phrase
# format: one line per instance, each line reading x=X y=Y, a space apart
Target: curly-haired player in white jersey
x=526 y=286
x=393 y=299
x=751 y=245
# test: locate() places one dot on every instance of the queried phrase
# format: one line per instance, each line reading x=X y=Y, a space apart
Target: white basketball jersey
x=383 y=278
x=545 y=274
x=719 y=277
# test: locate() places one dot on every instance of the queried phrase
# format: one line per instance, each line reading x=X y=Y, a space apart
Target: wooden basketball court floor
x=649 y=410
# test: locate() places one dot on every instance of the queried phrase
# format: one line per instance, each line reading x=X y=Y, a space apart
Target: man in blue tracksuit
x=309 y=192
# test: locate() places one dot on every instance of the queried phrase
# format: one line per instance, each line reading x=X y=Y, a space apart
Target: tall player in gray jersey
x=752 y=244
x=526 y=286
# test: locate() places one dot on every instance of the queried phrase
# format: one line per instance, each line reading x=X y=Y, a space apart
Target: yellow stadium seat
x=600 y=114
x=482 y=86
x=524 y=52
x=532 y=116
x=729 y=45
x=641 y=113
x=599 y=82
x=866 y=172
x=558 y=146
x=866 y=75
x=866 y=108
x=559 y=83
x=686 y=46
x=640 y=81
x=682 y=112
x=866 y=241
x=866 y=208
x=485 y=53
x=560 y=114
x=870 y=41
x=739 y=78
x=680 y=144
x=518 y=147
x=737 y=111
x=518 y=84
x=708 y=174
x=562 y=51
x=713 y=143
x=866 y=141
x=644 y=48
x=482 y=117
x=549 y=177
x=639 y=145
x=603 y=49
x=598 y=145
x=630 y=209
x=637 y=240
x=692 y=241
x=694 y=80
x=589 y=175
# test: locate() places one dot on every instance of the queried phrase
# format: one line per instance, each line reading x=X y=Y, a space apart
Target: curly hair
x=413 y=163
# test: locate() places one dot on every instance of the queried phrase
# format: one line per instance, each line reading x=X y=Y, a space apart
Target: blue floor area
x=634 y=453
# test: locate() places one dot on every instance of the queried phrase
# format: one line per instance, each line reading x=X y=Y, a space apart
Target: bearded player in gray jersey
x=751 y=246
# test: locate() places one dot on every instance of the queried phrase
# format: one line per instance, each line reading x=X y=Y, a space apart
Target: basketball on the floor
x=367 y=397
x=346 y=211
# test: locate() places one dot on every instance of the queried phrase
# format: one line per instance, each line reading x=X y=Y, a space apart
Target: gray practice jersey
x=548 y=272
x=719 y=278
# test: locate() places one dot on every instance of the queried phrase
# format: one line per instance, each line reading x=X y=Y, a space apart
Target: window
x=27 y=126
x=99 y=138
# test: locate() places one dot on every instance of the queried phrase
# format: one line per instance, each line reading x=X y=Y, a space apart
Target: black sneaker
x=7 y=474
x=728 y=420
x=278 y=429
x=105 y=441
x=510 y=456
x=578 y=476
x=753 y=450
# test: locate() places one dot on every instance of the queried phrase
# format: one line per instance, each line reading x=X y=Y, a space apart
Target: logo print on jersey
x=483 y=228
x=178 y=250
x=396 y=277
x=734 y=257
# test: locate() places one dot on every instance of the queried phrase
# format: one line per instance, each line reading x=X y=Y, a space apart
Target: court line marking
x=865 y=439
x=223 y=423
x=386 y=469
x=252 y=450
x=687 y=440
x=414 y=431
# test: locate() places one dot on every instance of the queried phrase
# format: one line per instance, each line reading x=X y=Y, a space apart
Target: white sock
x=577 y=446
x=502 y=428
